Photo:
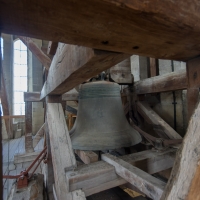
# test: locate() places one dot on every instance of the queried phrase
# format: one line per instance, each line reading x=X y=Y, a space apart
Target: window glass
x=19 y=77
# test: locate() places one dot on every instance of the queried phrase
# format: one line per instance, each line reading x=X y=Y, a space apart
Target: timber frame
x=72 y=65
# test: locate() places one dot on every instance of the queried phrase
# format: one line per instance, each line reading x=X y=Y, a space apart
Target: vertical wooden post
x=185 y=172
x=1 y=179
x=28 y=127
x=49 y=170
x=153 y=67
x=193 y=74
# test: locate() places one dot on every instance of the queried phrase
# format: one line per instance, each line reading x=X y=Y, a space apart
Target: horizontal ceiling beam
x=164 y=83
x=72 y=65
x=161 y=29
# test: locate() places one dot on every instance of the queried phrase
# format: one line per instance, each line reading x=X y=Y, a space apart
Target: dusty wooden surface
x=153 y=118
x=121 y=72
x=193 y=76
x=153 y=67
x=162 y=29
x=28 y=127
x=73 y=65
x=87 y=156
x=32 y=96
x=39 y=135
x=63 y=158
x=52 y=46
x=186 y=163
x=36 y=51
x=100 y=176
x=5 y=106
x=143 y=181
x=163 y=83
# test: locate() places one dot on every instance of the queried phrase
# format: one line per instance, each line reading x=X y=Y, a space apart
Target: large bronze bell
x=101 y=123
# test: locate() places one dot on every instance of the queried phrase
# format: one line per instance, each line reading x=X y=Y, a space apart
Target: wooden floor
x=9 y=149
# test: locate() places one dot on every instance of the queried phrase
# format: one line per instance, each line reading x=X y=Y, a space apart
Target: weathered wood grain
x=28 y=127
x=36 y=51
x=153 y=67
x=87 y=156
x=143 y=181
x=160 y=29
x=32 y=96
x=52 y=46
x=121 y=72
x=186 y=163
x=61 y=149
x=163 y=83
x=193 y=76
x=5 y=106
x=72 y=65
x=39 y=135
x=100 y=176
x=153 y=118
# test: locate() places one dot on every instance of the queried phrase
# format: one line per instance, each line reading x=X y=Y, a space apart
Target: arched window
x=19 y=77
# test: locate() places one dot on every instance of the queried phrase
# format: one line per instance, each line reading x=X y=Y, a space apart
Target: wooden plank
x=25 y=157
x=36 y=51
x=32 y=96
x=153 y=67
x=70 y=97
x=28 y=127
x=109 y=25
x=143 y=181
x=5 y=106
x=101 y=176
x=186 y=163
x=121 y=72
x=163 y=83
x=193 y=76
x=192 y=100
x=38 y=136
x=153 y=118
x=72 y=65
x=195 y=185
x=52 y=47
x=63 y=158
x=193 y=73
x=49 y=168
x=12 y=116
x=87 y=156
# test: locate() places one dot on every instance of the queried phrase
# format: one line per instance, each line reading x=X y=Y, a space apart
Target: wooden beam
x=163 y=83
x=100 y=176
x=143 y=181
x=153 y=67
x=63 y=158
x=5 y=106
x=87 y=156
x=52 y=47
x=12 y=116
x=195 y=185
x=38 y=135
x=28 y=127
x=72 y=65
x=186 y=166
x=109 y=25
x=193 y=76
x=70 y=97
x=32 y=96
x=121 y=72
x=153 y=118
x=49 y=167
x=36 y=51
